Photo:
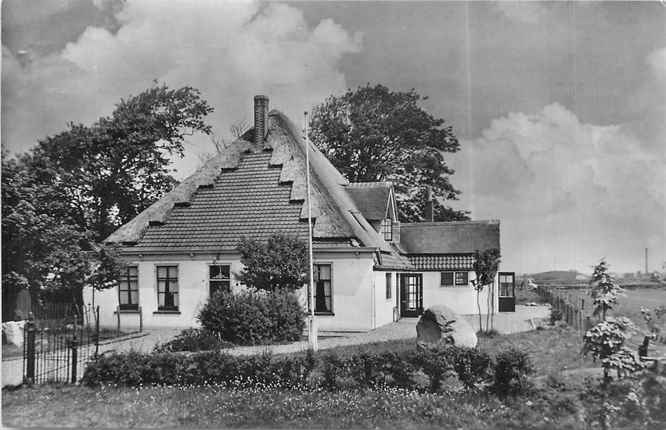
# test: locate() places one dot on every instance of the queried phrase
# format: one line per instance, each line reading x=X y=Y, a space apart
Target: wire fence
x=572 y=309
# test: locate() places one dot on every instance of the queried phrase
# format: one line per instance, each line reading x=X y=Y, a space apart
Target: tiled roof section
x=455 y=237
x=252 y=191
x=371 y=198
x=247 y=201
x=160 y=210
x=442 y=262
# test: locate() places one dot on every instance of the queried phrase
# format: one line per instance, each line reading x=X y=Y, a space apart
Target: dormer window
x=387 y=229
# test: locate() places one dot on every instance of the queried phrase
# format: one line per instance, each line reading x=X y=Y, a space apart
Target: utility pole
x=312 y=323
x=646 y=261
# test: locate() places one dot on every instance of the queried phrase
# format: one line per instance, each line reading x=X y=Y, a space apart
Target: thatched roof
x=455 y=237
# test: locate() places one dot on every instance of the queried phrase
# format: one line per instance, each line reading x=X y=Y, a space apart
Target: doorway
x=507 y=291
x=411 y=294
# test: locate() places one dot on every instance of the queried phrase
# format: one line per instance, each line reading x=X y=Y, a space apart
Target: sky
x=559 y=107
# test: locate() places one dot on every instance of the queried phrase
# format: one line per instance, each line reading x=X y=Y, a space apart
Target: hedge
x=325 y=370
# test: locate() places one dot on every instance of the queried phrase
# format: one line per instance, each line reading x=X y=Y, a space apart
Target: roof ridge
x=431 y=223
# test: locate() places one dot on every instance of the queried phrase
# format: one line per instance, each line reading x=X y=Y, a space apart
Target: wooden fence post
x=29 y=376
x=140 y=319
x=118 y=315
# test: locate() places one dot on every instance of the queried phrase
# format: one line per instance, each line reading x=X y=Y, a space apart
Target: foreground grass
x=155 y=407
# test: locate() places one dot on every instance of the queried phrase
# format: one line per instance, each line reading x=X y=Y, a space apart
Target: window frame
x=127 y=278
x=175 y=308
x=218 y=280
x=454 y=278
x=387 y=229
x=389 y=286
x=314 y=283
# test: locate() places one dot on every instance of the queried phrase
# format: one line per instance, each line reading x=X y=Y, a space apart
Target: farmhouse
x=369 y=269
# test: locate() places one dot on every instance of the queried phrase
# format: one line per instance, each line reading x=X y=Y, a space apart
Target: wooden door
x=411 y=294
x=507 y=291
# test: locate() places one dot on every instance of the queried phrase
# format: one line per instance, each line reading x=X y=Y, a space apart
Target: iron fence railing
x=58 y=353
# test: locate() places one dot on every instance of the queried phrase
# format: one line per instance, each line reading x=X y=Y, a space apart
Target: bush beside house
x=253 y=317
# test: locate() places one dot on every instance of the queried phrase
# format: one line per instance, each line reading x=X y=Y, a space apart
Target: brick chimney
x=260 y=119
x=429 y=213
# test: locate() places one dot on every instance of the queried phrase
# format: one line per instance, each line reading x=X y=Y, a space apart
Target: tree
x=603 y=289
x=76 y=187
x=281 y=263
x=486 y=264
x=43 y=250
x=374 y=134
x=112 y=170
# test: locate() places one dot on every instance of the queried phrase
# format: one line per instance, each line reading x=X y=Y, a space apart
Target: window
x=387 y=229
x=322 y=282
x=167 y=288
x=219 y=278
x=449 y=279
x=128 y=288
x=461 y=278
x=506 y=286
x=389 y=286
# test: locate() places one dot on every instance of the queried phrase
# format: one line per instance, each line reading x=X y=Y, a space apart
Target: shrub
x=471 y=365
x=250 y=317
x=433 y=360
x=555 y=315
x=606 y=340
x=193 y=340
x=510 y=372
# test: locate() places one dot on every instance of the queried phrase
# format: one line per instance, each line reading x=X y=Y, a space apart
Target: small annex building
x=369 y=269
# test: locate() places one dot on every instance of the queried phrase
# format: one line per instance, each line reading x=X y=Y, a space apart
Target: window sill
x=167 y=312
x=126 y=311
x=324 y=314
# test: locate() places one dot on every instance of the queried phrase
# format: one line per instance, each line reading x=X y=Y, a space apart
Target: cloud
x=569 y=192
x=527 y=12
x=229 y=50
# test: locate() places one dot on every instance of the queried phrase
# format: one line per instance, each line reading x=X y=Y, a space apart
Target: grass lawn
x=551 y=350
x=201 y=407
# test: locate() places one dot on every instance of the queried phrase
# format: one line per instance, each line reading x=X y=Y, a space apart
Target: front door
x=507 y=291
x=411 y=294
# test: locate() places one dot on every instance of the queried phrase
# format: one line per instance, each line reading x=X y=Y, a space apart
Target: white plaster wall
x=461 y=300
x=383 y=306
x=352 y=283
x=192 y=294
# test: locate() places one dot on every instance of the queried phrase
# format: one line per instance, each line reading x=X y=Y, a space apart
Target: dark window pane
x=447 y=278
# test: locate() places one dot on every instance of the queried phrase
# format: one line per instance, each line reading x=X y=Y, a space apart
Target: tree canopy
x=281 y=263
x=76 y=187
x=374 y=134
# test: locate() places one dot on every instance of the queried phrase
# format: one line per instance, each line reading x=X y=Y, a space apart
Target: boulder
x=430 y=327
x=13 y=331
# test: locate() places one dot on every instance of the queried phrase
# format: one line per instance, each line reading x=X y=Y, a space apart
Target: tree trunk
x=478 y=306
